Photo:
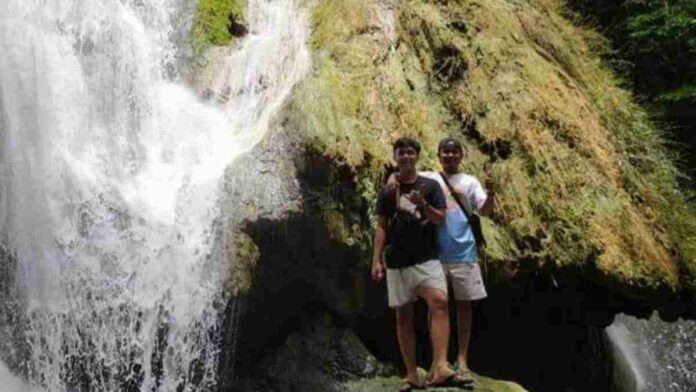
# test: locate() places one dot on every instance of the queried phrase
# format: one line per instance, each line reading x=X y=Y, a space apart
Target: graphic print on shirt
x=406 y=205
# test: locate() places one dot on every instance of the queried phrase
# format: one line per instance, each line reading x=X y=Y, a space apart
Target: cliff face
x=589 y=220
x=581 y=175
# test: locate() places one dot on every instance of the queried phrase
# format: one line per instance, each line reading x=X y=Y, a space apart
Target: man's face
x=450 y=157
x=406 y=157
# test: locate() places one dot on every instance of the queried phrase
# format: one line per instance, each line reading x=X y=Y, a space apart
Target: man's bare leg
x=439 y=331
x=407 y=340
x=463 y=333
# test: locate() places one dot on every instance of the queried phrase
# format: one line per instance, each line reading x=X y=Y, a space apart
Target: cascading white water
x=111 y=170
x=9 y=382
x=652 y=355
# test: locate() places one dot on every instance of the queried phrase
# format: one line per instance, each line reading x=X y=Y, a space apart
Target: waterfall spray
x=111 y=178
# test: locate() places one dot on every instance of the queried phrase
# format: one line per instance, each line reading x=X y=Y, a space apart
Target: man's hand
x=393 y=182
x=434 y=215
x=416 y=197
x=377 y=270
x=488 y=184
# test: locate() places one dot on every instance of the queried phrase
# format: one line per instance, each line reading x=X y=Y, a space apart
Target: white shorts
x=403 y=283
x=466 y=281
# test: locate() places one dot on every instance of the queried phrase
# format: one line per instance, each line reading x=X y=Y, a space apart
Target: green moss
x=243 y=254
x=481 y=384
x=212 y=20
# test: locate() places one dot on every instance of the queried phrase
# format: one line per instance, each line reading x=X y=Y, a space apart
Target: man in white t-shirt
x=457 y=245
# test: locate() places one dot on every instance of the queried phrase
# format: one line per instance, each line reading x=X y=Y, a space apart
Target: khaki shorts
x=466 y=281
x=403 y=283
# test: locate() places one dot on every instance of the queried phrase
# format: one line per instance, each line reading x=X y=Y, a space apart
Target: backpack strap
x=473 y=219
x=454 y=195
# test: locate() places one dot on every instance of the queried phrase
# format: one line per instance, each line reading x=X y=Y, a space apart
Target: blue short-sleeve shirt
x=456 y=242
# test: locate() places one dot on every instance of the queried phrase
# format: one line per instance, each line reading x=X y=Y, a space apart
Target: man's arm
x=434 y=215
x=478 y=197
x=380 y=240
x=488 y=206
x=393 y=180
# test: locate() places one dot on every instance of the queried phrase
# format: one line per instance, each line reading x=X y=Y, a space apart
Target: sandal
x=465 y=375
x=453 y=380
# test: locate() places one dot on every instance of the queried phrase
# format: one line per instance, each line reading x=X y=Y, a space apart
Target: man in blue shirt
x=458 y=252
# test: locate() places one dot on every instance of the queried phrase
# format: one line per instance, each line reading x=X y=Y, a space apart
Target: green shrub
x=212 y=21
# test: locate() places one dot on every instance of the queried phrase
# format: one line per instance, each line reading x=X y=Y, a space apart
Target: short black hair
x=449 y=140
x=404 y=142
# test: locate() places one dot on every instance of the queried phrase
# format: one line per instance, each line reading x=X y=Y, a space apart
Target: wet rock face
x=297 y=271
x=320 y=356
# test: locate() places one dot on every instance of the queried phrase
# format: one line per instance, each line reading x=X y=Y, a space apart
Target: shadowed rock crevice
x=449 y=66
x=236 y=26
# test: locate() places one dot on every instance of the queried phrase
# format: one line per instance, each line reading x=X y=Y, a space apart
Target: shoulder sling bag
x=473 y=218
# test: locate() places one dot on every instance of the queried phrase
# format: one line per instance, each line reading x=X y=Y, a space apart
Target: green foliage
x=660 y=37
x=682 y=93
x=661 y=22
x=657 y=36
x=212 y=20
x=654 y=48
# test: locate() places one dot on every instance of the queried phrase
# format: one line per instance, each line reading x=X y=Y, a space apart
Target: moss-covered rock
x=583 y=178
x=214 y=21
x=481 y=384
x=244 y=255
x=320 y=357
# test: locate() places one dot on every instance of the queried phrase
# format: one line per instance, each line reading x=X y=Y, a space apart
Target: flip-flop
x=408 y=386
x=453 y=380
x=465 y=375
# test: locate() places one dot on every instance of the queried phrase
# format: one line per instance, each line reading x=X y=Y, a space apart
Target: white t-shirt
x=455 y=239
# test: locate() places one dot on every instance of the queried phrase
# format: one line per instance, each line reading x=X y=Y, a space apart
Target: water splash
x=110 y=181
x=653 y=355
x=9 y=382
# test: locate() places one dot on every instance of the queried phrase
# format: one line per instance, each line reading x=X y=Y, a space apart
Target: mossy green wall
x=582 y=176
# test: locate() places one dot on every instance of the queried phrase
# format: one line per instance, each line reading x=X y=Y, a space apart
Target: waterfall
x=653 y=355
x=111 y=170
x=9 y=382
